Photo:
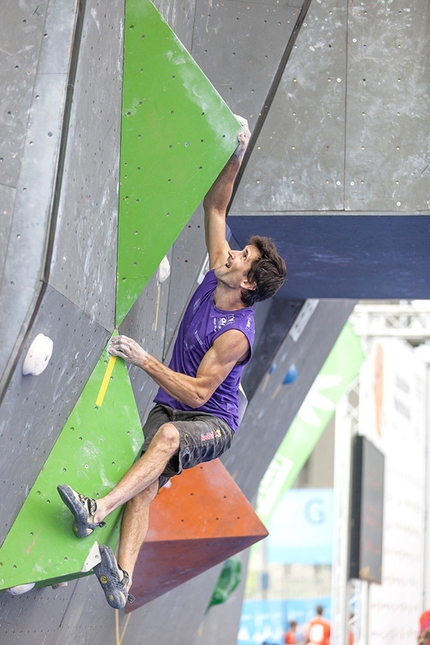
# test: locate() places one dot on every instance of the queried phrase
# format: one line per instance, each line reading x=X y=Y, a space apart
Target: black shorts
x=202 y=437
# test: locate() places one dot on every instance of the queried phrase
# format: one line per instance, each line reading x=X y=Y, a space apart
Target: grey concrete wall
x=34 y=84
x=344 y=153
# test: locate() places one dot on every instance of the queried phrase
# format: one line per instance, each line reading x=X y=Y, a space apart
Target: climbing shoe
x=113 y=579
x=83 y=509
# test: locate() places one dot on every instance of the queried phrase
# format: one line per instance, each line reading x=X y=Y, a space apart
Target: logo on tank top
x=198 y=339
x=222 y=321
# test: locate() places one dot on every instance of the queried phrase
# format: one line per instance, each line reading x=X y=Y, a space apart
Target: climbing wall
x=34 y=87
x=102 y=434
x=168 y=167
x=100 y=440
x=254 y=37
x=348 y=125
x=194 y=526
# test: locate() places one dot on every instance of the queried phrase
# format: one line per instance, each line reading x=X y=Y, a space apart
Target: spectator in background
x=350 y=632
x=318 y=632
x=290 y=636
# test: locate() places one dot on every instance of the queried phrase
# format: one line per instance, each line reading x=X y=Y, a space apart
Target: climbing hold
x=38 y=356
x=163 y=273
x=228 y=580
x=272 y=368
x=291 y=375
x=20 y=589
x=93 y=558
x=163 y=270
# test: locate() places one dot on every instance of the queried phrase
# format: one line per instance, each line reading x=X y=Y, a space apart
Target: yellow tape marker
x=105 y=382
x=265 y=382
x=119 y=638
x=125 y=627
x=157 y=307
x=276 y=392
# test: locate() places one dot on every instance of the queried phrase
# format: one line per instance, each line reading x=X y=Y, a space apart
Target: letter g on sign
x=314 y=511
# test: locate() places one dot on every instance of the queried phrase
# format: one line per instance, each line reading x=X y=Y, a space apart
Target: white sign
x=392 y=416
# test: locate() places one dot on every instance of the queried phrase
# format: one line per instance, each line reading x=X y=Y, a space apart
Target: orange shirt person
x=318 y=629
x=290 y=636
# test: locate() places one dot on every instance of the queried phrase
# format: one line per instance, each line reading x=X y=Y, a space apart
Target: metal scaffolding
x=408 y=319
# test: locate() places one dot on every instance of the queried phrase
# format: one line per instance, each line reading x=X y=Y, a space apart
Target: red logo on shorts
x=207 y=437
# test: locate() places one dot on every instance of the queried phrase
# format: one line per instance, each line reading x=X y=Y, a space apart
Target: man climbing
x=196 y=407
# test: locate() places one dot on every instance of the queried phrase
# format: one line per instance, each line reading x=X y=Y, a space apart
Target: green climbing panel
x=96 y=447
x=177 y=135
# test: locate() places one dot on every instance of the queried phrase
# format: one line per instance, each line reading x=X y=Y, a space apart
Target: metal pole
x=341 y=513
x=426 y=536
x=364 y=613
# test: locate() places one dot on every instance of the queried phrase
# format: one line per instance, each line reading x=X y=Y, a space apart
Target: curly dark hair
x=268 y=272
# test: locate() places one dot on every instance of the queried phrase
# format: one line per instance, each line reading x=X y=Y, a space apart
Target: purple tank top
x=201 y=325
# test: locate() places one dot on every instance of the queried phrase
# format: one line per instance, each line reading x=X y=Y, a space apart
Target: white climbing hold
x=20 y=589
x=163 y=270
x=93 y=558
x=38 y=356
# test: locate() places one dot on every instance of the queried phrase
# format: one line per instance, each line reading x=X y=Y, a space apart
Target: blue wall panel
x=344 y=256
